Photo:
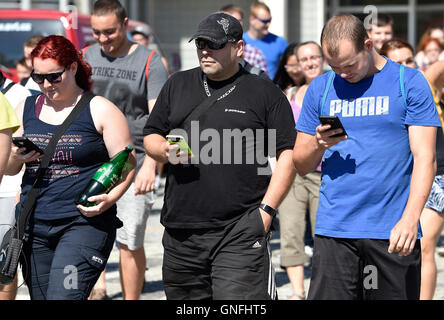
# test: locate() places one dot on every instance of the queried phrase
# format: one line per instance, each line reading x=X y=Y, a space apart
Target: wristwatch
x=272 y=212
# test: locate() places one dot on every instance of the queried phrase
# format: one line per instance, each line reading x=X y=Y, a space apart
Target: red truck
x=17 y=26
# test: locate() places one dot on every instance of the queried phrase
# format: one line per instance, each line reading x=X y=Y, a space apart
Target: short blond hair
x=254 y=8
x=231 y=8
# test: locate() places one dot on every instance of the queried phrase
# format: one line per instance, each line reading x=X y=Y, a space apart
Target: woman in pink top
x=304 y=193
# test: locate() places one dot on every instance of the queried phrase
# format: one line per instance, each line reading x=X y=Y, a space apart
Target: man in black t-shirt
x=220 y=202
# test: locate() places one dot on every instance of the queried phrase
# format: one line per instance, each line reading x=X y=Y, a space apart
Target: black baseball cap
x=219 y=28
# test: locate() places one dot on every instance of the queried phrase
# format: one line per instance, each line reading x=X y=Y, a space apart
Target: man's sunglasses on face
x=54 y=77
x=264 y=21
x=201 y=43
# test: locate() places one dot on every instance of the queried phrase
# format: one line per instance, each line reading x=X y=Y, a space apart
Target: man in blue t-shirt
x=376 y=178
x=271 y=45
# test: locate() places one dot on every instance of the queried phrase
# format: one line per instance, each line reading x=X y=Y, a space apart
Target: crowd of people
x=370 y=197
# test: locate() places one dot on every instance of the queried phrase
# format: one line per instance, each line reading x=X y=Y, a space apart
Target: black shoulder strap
x=24 y=81
x=2 y=79
x=9 y=86
x=252 y=69
x=196 y=113
x=22 y=220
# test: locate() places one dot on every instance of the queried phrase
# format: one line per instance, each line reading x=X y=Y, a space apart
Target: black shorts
x=65 y=257
x=233 y=262
x=362 y=269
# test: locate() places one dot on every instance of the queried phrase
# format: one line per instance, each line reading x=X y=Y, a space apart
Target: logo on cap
x=225 y=24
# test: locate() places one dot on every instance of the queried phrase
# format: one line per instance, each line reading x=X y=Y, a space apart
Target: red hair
x=425 y=42
x=63 y=51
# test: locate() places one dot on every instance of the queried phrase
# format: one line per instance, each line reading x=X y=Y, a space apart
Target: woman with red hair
x=67 y=245
x=430 y=48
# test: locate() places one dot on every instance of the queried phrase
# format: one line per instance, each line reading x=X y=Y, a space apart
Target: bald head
x=343 y=27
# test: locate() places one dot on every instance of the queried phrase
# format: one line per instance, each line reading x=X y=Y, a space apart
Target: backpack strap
x=84 y=50
x=9 y=86
x=327 y=88
x=401 y=83
x=252 y=69
x=147 y=66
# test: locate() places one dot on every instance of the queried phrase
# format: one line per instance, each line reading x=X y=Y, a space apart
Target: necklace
x=60 y=108
x=207 y=91
x=205 y=84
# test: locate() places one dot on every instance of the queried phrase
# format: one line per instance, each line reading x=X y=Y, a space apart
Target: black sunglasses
x=201 y=43
x=264 y=21
x=55 y=77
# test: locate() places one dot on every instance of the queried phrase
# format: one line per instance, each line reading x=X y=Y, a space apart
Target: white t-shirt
x=11 y=184
x=16 y=94
x=32 y=86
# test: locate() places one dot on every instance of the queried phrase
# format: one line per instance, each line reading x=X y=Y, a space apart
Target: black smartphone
x=23 y=142
x=335 y=123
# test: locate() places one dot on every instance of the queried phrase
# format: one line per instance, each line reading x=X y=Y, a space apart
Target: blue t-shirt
x=366 y=178
x=272 y=46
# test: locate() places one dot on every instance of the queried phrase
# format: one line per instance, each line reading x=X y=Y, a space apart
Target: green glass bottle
x=105 y=177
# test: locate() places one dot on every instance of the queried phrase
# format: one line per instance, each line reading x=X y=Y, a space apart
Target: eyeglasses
x=291 y=67
x=201 y=43
x=264 y=21
x=432 y=50
x=54 y=77
x=312 y=58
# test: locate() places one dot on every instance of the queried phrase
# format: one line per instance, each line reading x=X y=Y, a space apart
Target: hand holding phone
x=23 y=142
x=180 y=141
x=334 y=123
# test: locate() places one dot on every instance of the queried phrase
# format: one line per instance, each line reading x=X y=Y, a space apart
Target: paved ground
x=153 y=289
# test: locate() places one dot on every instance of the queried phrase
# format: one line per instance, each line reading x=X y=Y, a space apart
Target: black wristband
x=268 y=209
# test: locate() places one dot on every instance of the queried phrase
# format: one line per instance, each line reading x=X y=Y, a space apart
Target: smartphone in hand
x=335 y=123
x=23 y=142
x=179 y=140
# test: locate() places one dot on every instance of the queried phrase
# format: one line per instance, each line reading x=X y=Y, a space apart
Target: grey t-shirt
x=122 y=80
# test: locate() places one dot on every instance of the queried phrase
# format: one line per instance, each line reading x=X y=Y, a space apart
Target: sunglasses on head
x=201 y=43
x=54 y=77
x=264 y=21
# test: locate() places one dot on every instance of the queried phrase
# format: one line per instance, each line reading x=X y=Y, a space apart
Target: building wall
x=40 y=4
x=175 y=20
x=312 y=20
x=294 y=21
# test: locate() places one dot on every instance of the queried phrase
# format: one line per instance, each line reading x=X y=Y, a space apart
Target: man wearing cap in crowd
x=218 y=211
x=142 y=36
